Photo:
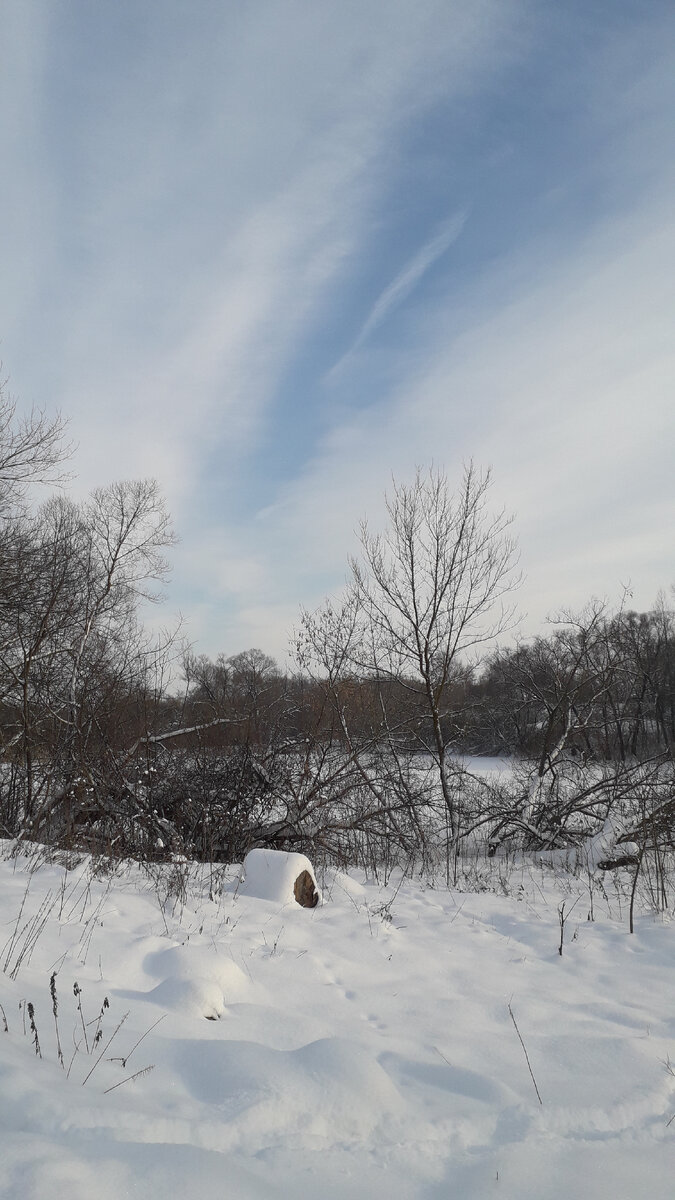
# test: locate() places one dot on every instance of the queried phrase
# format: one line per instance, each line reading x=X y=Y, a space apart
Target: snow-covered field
x=363 y=1048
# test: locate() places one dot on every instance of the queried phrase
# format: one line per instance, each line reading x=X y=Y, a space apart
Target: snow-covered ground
x=364 y=1048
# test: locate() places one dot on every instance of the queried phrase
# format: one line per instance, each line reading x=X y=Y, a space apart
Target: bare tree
x=118 y=557
x=423 y=595
x=32 y=450
x=71 y=646
x=432 y=590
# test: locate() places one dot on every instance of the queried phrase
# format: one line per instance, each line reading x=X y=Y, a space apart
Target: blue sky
x=275 y=253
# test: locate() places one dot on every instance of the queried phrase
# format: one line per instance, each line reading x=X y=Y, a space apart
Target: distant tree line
x=358 y=752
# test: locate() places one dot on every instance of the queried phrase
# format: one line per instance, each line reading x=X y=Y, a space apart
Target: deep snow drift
x=364 y=1048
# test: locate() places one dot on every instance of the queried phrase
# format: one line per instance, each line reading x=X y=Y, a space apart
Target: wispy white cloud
x=408 y=278
x=197 y=207
x=565 y=391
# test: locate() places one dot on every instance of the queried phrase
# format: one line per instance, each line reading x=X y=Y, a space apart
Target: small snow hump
x=280 y=876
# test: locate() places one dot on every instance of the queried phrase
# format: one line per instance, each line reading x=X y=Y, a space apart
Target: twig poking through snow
x=130 y=1078
x=135 y=1046
x=527 y=1057
x=114 y=1034
x=55 y=1010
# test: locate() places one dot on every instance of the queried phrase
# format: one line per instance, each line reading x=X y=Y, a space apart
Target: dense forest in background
x=357 y=753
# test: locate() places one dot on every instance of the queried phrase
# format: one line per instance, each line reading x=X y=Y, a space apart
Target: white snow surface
x=364 y=1048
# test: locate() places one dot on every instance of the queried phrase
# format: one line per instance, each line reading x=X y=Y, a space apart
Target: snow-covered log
x=596 y=853
x=280 y=876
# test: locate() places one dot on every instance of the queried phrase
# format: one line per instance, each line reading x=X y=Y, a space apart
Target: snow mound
x=196 y=981
x=340 y=887
x=272 y=875
x=329 y=1090
x=193 y=997
x=189 y=960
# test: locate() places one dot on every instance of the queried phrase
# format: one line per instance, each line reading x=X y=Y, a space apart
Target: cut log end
x=305 y=891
